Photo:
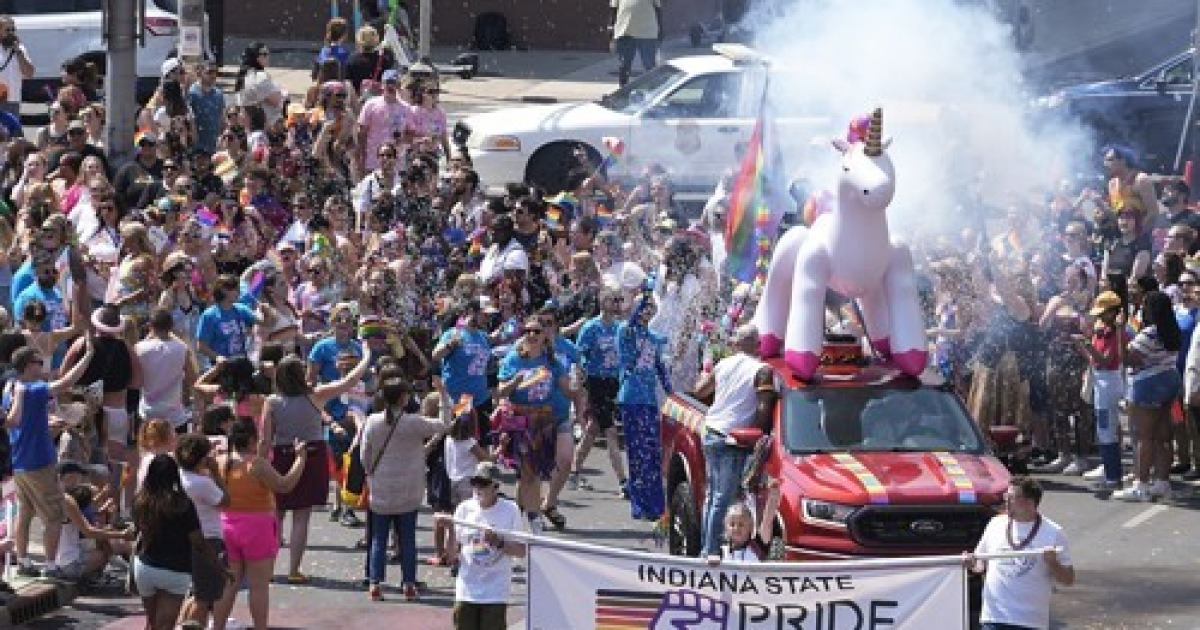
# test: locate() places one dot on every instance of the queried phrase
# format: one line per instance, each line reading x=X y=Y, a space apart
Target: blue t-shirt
x=21 y=279
x=1186 y=317
x=324 y=355
x=464 y=369
x=207 y=108
x=597 y=342
x=56 y=311
x=32 y=446
x=544 y=391
x=642 y=367
x=227 y=332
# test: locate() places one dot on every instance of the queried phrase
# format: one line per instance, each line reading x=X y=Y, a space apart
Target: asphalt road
x=1138 y=564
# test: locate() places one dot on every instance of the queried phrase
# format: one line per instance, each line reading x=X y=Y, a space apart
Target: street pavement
x=1138 y=565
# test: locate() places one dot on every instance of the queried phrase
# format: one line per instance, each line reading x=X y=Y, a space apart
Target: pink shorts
x=250 y=536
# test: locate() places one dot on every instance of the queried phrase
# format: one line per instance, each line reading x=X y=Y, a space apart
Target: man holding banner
x=1016 y=590
x=483 y=554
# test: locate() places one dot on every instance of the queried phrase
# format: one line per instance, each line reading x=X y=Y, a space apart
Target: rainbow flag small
x=207 y=217
x=535 y=377
x=554 y=216
x=257 y=281
x=614 y=150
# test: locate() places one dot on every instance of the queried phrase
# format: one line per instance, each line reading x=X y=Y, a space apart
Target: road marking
x=1146 y=515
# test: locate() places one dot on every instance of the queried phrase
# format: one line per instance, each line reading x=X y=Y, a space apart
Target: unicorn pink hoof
x=769 y=346
x=883 y=347
x=804 y=364
x=911 y=362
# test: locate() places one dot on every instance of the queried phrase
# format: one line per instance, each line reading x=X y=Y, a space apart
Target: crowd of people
x=285 y=301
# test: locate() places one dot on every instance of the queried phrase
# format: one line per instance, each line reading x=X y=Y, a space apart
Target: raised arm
x=68 y=380
x=325 y=392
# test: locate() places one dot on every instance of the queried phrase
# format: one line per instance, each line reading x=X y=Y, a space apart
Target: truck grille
x=916 y=526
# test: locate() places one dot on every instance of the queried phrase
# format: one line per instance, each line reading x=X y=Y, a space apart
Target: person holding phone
x=15 y=66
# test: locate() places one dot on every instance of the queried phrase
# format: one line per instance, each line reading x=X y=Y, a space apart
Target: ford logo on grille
x=927 y=527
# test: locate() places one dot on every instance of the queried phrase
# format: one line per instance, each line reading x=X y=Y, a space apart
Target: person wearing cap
x=382 y=119
x=117 y=366
x=483 y=553
x=207 y=103
x=34 y=460
x=144 y=170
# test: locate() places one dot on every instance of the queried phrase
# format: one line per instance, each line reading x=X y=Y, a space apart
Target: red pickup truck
x=871 y=463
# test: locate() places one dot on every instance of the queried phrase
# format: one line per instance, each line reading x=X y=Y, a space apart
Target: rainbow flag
x=207 y=217
x=536 y=376
x=756 y=206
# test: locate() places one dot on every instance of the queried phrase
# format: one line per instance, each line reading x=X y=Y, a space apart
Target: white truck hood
x=547 y=119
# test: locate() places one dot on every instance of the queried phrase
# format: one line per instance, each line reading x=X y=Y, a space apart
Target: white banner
x=583 y=587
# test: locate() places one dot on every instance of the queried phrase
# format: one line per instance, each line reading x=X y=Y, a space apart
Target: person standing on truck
x=1016 y=591
x=641 y=355
x=743 y=391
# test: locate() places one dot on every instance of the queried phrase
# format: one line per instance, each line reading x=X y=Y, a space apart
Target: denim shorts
x=1154 y=390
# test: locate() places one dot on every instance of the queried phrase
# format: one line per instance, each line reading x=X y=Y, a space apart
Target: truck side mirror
x=745 y=438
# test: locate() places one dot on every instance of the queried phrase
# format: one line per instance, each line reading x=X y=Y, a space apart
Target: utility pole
x=1189 y=120
x=123 y=24
x=426 y=28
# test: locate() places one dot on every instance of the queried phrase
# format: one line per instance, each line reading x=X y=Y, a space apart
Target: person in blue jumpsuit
x=642 y=369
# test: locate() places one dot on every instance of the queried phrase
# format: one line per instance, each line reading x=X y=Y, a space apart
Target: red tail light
x=162 y=26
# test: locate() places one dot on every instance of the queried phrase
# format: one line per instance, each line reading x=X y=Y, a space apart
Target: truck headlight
x=826 y=512
x=500 y=143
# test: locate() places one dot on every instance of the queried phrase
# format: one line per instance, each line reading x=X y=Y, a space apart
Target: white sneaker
x=1077 y=467
x=1129 y=478
x=1136 y=493
x=1095 y=473
x=1160 y=489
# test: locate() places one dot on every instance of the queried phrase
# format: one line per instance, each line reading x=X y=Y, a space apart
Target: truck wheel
x=684 y=536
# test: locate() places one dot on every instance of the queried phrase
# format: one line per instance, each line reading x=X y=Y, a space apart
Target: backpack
x=491 y=31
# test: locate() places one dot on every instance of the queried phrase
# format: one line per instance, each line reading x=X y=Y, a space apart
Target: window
x=708 y=96
x=1179 y=74
x=877 y=418
x=42 y=7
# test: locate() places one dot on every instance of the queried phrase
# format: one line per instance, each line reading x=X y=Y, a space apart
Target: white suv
x=55 y=31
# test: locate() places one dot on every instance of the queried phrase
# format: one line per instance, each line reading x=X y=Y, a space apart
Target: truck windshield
x=636 y=94
x=877 y=418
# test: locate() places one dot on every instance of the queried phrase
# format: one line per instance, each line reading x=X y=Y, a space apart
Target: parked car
x=872 y=463
x=55 y=31
x=690 y=114
x=1145 y=111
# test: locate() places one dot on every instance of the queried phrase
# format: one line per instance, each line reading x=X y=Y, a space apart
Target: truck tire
x=683 y=539
x=549 y=167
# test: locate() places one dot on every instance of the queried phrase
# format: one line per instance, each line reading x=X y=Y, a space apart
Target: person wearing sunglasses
x=597 y=343
x=535 y=383
x=383 y=118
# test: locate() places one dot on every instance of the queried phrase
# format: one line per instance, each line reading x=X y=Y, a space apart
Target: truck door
x=1161 y=108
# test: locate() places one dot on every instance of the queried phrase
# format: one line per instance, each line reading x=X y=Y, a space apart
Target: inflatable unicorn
x=847 y=249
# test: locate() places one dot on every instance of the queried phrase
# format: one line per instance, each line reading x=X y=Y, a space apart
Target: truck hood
x=1111 y=87
x=862 y=478
x=547 y=119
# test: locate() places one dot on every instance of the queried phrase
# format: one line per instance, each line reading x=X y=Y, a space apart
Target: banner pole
x=918 y=561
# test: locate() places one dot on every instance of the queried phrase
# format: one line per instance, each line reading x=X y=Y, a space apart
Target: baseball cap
x=486 y=471
x=391 y=76
x=171 y=65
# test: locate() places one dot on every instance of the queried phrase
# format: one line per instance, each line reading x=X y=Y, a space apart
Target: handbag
x=364 y=500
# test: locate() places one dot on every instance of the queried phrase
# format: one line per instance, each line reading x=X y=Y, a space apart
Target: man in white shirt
x=505 y=255
x=483 y=555
x=166 y=371
x=1016 y=591
x=636 y=28
x=744 y=394
x=15 y=66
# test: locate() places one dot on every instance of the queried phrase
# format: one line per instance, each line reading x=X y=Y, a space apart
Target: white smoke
x=954 y=100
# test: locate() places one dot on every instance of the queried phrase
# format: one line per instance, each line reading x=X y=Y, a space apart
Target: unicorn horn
x=875 y=134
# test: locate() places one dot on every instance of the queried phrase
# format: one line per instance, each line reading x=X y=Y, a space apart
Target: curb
x=35 y=599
